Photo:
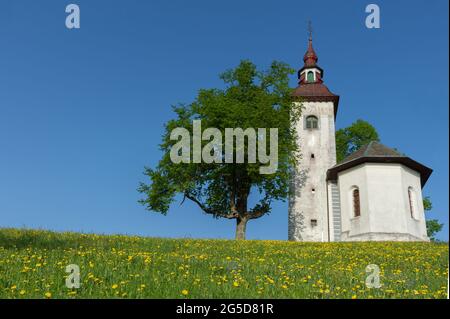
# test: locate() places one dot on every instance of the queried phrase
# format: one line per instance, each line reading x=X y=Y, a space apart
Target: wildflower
x=48 y=295
x=184 y=292
x=114 y=286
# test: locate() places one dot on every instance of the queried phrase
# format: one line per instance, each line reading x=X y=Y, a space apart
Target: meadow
x=33 y=265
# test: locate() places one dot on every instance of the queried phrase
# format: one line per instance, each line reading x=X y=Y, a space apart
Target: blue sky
x=82 y=111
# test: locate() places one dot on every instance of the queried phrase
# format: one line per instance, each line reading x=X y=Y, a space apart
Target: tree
x=350 y=139
x=250 y=99
x=433 y=225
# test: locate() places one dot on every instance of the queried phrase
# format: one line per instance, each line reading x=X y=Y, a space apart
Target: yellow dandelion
x=184 y=292
x=48 y=295
x=114 y=286
x=235 y=284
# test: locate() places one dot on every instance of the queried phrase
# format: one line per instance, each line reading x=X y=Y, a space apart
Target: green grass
x=33 y=263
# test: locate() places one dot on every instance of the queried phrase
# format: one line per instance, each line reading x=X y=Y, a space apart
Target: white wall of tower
x=310 y=199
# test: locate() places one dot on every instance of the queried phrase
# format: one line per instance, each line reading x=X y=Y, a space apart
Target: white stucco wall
x=307 y=205
x=416 y=225
x=348 y=179
x=384 y=202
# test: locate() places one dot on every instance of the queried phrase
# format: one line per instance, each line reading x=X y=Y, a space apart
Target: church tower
x=309 y=213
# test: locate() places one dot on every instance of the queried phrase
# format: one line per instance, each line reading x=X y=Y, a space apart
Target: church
x=375 y=194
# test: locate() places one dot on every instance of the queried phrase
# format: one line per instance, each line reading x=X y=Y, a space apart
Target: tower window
x=313 y=190
x=313 y=222
x=356 y=202
x=312 y=155
x=312 y=122
x=310 y=76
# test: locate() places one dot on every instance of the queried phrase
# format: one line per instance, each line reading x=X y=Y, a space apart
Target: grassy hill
x=33 y=264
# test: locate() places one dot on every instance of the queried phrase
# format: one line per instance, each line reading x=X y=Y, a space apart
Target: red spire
x=310 y=72
x=311 y=87
x=310 y=58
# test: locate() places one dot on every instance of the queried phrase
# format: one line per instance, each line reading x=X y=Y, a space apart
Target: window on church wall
x=310 y=76
x=411 y=200
x=312 y=122
x=356 y=202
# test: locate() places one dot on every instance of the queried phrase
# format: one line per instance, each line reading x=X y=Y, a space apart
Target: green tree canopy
x=433 y=225
x=350 y=139
x=250 y=99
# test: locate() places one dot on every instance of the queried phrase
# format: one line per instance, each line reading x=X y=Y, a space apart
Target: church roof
x=314 y=91
x=373 y=149
x=375 y=152
x=310 y=58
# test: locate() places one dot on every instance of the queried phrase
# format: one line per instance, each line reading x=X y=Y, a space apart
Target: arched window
x=310 y=76
x=312 y=122
x=412 y=202
x=356 y=202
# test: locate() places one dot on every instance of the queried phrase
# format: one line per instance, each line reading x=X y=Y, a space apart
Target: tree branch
x=259 y=211
x=208 y=210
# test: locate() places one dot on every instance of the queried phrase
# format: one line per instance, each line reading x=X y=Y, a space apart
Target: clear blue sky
x=82 y=111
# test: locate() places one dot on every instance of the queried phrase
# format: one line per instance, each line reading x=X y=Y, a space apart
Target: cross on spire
x=310 y=29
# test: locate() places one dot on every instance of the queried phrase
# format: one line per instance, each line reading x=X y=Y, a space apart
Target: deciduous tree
x=250 y=99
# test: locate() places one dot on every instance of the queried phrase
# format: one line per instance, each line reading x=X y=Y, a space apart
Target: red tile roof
x=314 y=91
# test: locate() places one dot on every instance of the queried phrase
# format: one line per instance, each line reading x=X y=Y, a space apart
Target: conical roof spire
x=310 y=58
x=311 y=87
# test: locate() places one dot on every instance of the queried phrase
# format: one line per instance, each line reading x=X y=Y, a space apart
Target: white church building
x=375 y=194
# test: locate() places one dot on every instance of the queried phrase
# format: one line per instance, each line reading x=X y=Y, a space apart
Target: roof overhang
x=424 y=171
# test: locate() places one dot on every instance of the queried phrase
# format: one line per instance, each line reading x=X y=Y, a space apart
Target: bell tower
x=309 y=213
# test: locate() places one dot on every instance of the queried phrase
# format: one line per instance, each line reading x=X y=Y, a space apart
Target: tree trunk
x=241 y=225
